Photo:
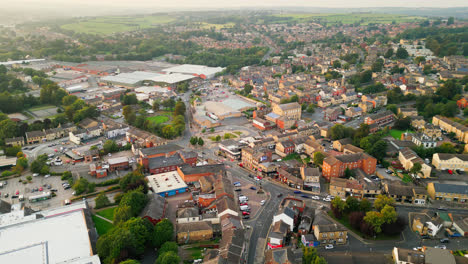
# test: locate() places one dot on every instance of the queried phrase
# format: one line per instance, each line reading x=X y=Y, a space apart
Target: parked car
x=441 y=247
x=279 y=195
x=253 y=188
x=305 y=196
x=315 y=197
x=243 y=204
x=47 y=176
x=17 y=192
x=329 y=246
x=245 y=213
x=245 y=216
x=425 y=237
x=35 y=174
x=54 y=190
x=450 y=171
x=389 y=171
x=6 y=195
x=327 y=199
x=297 y=192
x=444 y=240
x=262 y=202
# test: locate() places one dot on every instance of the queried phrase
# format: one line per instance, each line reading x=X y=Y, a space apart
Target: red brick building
x=159 y=151
x=120 y=163
x=335 y=166
x=193 y=174
x=380 y=120
x=263 y=124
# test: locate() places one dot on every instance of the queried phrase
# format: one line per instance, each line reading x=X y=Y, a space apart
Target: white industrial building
x=201 y=71
x=61 y=235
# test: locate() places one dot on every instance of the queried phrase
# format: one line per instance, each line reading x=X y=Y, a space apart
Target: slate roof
x=447 y=156
x=451 y=188
x=163 y=161
x=160 y=149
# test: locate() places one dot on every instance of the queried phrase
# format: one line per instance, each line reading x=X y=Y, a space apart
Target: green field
x=115 y=24
x=102 y=226
x=351 y=18
x=395 y=133
x=205 y=25
x=158 y=119
x=107 y=213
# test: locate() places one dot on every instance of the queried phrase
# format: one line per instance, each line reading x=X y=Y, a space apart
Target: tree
x=201 y=142
x=193 y=141
x=23 y=162
x=416 y=168
x=377 y=66
x=101 y=201
x=355 y=219
x=132 y=181
x=156 y=105
x=179 y=108
x=393 y=108
x=129 y=114
x=69 y=99
x=80 y=186
x=168 y=258
x=388 y=53
x=311 y=108
x=365 y=205
x=339 y=131
x=352 y=204
x=141 y=230
x=110 y=146
x=168 y=246
x=402 y=53
x=318 y=158
x=389 y=214
x=29 y=178
x=130 y=261
x=403 y=123
x=374 y=219
x=336 y=64
x=338 y=207
x=348 y=173
x=135 y=199
x=383 y=200
x=129 y=99
x=122 y=214
x=162 y=233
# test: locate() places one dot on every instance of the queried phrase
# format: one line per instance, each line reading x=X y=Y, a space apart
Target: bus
x=40 y=197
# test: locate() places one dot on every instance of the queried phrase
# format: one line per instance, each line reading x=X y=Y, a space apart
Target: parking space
x=26 y=189
x=251 y=191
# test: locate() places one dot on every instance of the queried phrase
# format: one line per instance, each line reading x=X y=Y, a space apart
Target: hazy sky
x=183 y=4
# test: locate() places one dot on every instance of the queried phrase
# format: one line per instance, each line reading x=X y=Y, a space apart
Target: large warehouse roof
x=173 y=78
x=131 y=77
x=194 y=69
x=57 y=237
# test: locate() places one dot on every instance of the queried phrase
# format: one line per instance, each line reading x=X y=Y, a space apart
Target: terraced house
x=447 y=161
x=448 y=192
x=461 y=131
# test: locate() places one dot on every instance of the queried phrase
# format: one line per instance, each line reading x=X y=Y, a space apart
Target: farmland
x=115 y=24
x=362 y=18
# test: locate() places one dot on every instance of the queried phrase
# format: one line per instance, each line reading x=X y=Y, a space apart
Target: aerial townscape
x=223 y=134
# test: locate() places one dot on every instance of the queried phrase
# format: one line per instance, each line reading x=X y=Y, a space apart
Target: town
x=222 y=139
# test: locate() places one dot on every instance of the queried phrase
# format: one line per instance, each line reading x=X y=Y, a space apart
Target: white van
x=244 y=208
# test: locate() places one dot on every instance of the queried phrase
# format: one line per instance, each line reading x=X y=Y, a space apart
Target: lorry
x=244 y=208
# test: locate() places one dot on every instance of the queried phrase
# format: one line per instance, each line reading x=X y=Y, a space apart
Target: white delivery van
x=244 y=208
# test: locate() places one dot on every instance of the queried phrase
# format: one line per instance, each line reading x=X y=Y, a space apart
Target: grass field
x=115 y=24
x=107 y=213
x=363 y=18
x=395 y=133
x=158 y=119
x=102 y=226
x=205 y=25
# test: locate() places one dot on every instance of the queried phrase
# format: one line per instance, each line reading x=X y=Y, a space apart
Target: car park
x=329 y=246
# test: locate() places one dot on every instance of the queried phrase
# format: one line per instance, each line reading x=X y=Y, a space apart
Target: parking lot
x=14 y=185
x=247 y=189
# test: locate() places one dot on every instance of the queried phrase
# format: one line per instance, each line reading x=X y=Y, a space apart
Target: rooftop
x=164 y=182
x=194 y=69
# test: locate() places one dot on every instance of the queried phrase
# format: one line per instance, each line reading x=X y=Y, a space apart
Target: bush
x=355 y=219
x=102 y=201
x=108 y=182
x=7 y=173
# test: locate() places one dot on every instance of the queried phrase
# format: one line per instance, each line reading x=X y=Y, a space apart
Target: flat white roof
x=20 y=61
x=131 y=77
x=117 y=160
x=59 y=236
x=172 y=78
x=165 y=182
x=151 y=89
x=194 y=69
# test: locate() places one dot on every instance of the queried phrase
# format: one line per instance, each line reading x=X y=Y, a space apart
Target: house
x=408 y=158
x=306 y=220
x=448 y=161
x=421 y=139
x=290 y=110
x=34 y=137
x=231 y=149
x=380 y=120
x=330 y=233
x=339 y=144
x=285 y=215
x=346 y=187
x=311 y=146
x=408 y=112
x=405 y=193
x=13 y=142
x=251 y=158
x=285 y=148
x=88 y=123
x=158 y=151
x=408 y=256
x=286 y=255
x=311 y=179
x=308 y=240
x=417 y=122
x=331 y=114
x=351 y=149
x=448 y=192
x=193 y=232
x=334 y=166
x=187 y=215
x=353 y=112
x=90 y=155
x=277 y=234
x=263 y=124
x=194 y=173
x=460 y=131
x=290 y=179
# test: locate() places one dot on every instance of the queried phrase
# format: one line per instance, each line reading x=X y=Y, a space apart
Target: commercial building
x=231 y=149
x=120 y=163
x=60 y=235
x=130 y=79
x=193 y=173
x=460 y=131
x=201 y=71
x=448 y=161
x=335 y=166
x=167 y=184
x=34 y=137
x=290 y=110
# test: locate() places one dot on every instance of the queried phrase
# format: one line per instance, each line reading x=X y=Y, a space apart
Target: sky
x=183 y=4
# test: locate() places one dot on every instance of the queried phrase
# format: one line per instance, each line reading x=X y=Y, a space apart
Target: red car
x=244 y=204
x=450 y=171
x=259 y=177
x=40 y=189
x=245 y=213
x=17 y=192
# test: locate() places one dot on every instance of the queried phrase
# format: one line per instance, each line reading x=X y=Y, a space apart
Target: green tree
x=352 y=204
x=69 y=99
x=132 y=181
x=135 y=199
x=102 y=201
x=179 y=108
x=416 y=168
x=156 y=105
x=193 y=141
x=163 y=232
x=141 y=230
x=130 y=261
x=122 y=214
x=393 y=108
x=388 y=53
x=450 y=21
x=201 y=142
x=336 y=64
x=365 y=205
x=402 y=53
x=110 y=146
x=318 y=158
x=80 y=186
x=348 y=173
x=29 y=178
x=389 y=214
x=383 y=200
x=375 y=219
x=23 y=162
x=168 y=258
x=169 y=246
x=339 y=204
